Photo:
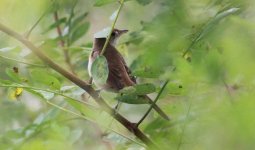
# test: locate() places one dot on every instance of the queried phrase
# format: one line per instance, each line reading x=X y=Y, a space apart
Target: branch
x=82 y=84
x=62 y=44
x=153 y=103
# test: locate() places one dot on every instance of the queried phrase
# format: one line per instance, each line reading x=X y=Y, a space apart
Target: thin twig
x=19 y=61
x=92 y=121
x=112 y=28
x=153 y=103
x=39 y=20
x=62 y=44
x=50 y=91
x=82 y=84
x=36 y=23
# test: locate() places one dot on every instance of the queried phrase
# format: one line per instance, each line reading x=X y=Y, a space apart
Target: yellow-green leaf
x=99 y=70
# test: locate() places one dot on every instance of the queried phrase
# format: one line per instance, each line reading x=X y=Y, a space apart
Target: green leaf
x=146 y=73
x=131 y=99
x=175 y=88
x=156 y=124
x=62 y=130
x=6 y=49
x=76 y=105
x=10 y=51
x=79 y=31
x=13 y=75
x=79 y=19
x=143 y=89
x=133 y=94
x=49 y=47
x=99 y=3
x=55 y=24
x=139 y=89
x=39 y=119
x=5 y=82
x=67 y=88
x=144 y=2
x=128 y=90
x=135 y=38
x=99 y=70
x=45 y=78
x=14 y=134
x=45 y=95
x=211 y=24
x=75 y=135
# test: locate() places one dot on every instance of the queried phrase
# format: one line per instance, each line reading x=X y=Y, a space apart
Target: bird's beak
x=122 y=31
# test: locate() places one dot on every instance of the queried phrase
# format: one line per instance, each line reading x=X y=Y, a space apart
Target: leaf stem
x=39 y=20
x=112 y=28
x=19 y=61
x=153 y=103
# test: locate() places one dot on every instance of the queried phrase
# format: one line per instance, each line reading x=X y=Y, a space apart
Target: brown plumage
x=119 y=73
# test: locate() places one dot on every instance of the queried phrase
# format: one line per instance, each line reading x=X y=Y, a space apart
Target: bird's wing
x=118 y=75
x=129 y=72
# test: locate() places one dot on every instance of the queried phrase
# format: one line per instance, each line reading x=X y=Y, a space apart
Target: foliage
x=204 y=48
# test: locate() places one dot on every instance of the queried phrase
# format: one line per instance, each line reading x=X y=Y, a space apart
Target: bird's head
x=116 y=33
x=100 y=37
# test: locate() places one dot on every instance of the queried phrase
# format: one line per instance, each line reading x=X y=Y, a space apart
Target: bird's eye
x=113 y=34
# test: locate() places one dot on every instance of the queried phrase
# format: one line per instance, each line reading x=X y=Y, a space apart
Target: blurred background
x=204 y=47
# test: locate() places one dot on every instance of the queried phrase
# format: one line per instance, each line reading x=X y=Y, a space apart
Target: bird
x=120 y=75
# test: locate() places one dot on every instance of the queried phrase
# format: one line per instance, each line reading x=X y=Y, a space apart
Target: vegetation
x=195 y=59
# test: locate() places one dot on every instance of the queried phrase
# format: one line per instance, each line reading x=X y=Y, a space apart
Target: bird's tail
x=157 y=109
